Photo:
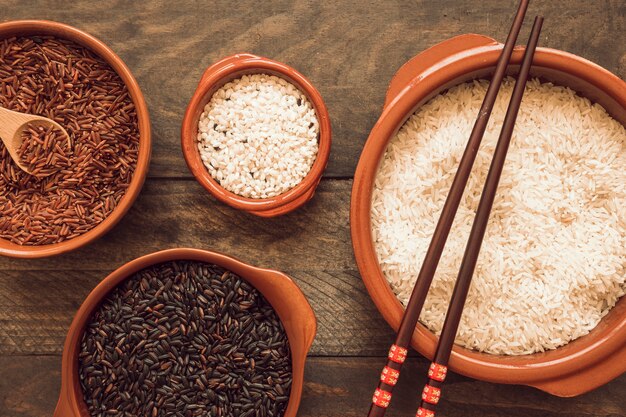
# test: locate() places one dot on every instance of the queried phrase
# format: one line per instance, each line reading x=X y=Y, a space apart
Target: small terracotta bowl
x=282 y=293
x=59 y=30
x=229 y=69
x=573 y=369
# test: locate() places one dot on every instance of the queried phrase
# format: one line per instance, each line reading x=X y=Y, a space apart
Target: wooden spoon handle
x=10 y=123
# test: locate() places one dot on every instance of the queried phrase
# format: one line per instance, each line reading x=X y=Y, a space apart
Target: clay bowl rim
x=61 y=30
x=294 y=312
x=216 y=76
x=542 y=370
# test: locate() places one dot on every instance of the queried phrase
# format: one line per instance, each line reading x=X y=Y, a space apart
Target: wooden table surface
x=349 y=50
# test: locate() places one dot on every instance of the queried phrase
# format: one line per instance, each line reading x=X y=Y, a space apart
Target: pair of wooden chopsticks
x=397 y=354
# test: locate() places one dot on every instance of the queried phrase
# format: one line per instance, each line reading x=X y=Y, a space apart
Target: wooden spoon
x=12 y=126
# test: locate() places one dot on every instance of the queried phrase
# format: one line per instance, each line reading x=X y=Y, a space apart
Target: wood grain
x=342 y=387
x=180 y=213
x=35 y=321
x=348 y=49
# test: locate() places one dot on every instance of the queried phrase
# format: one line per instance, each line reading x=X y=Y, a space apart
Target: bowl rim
x=448 y=61
x=300 y=335
x=215 y=77
x=64 y=31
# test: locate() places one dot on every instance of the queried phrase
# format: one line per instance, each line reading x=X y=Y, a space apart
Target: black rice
x=185 y=339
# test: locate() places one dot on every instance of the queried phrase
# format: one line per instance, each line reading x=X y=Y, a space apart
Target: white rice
x=258 y=136
x=553 y=261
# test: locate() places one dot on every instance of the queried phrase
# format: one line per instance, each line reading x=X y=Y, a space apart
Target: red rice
x=69 y=84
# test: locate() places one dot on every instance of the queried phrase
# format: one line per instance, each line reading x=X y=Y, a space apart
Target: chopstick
x=398 y=351
x=438 y=368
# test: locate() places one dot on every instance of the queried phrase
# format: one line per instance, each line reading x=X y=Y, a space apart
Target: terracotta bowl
x=59 y=30
x=573 y=369
x=216 y=76
x=282 y=293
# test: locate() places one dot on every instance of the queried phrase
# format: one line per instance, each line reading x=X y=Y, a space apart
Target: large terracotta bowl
x=283 y=294
x=229 y=69
x=573 y=369
x=59 y=30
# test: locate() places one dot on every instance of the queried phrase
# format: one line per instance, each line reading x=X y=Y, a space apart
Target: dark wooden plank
x=29 y=385
x=348 y=49
x=342 y=387
x=180 y=213
x=37 y=307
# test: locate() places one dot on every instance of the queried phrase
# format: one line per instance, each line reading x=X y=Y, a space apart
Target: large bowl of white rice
x=546 y=306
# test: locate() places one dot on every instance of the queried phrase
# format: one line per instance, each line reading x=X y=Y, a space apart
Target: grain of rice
x=44 y=150
x=553 y=262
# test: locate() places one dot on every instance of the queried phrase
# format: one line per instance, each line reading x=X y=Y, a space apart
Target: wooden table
x=349 y=50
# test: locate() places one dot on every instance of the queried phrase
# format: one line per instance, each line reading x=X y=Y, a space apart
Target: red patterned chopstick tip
x=381 y=398
x=389 y=376
x=422 y=412
x=437 y=372
x=397 y=354
x=431 y=394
